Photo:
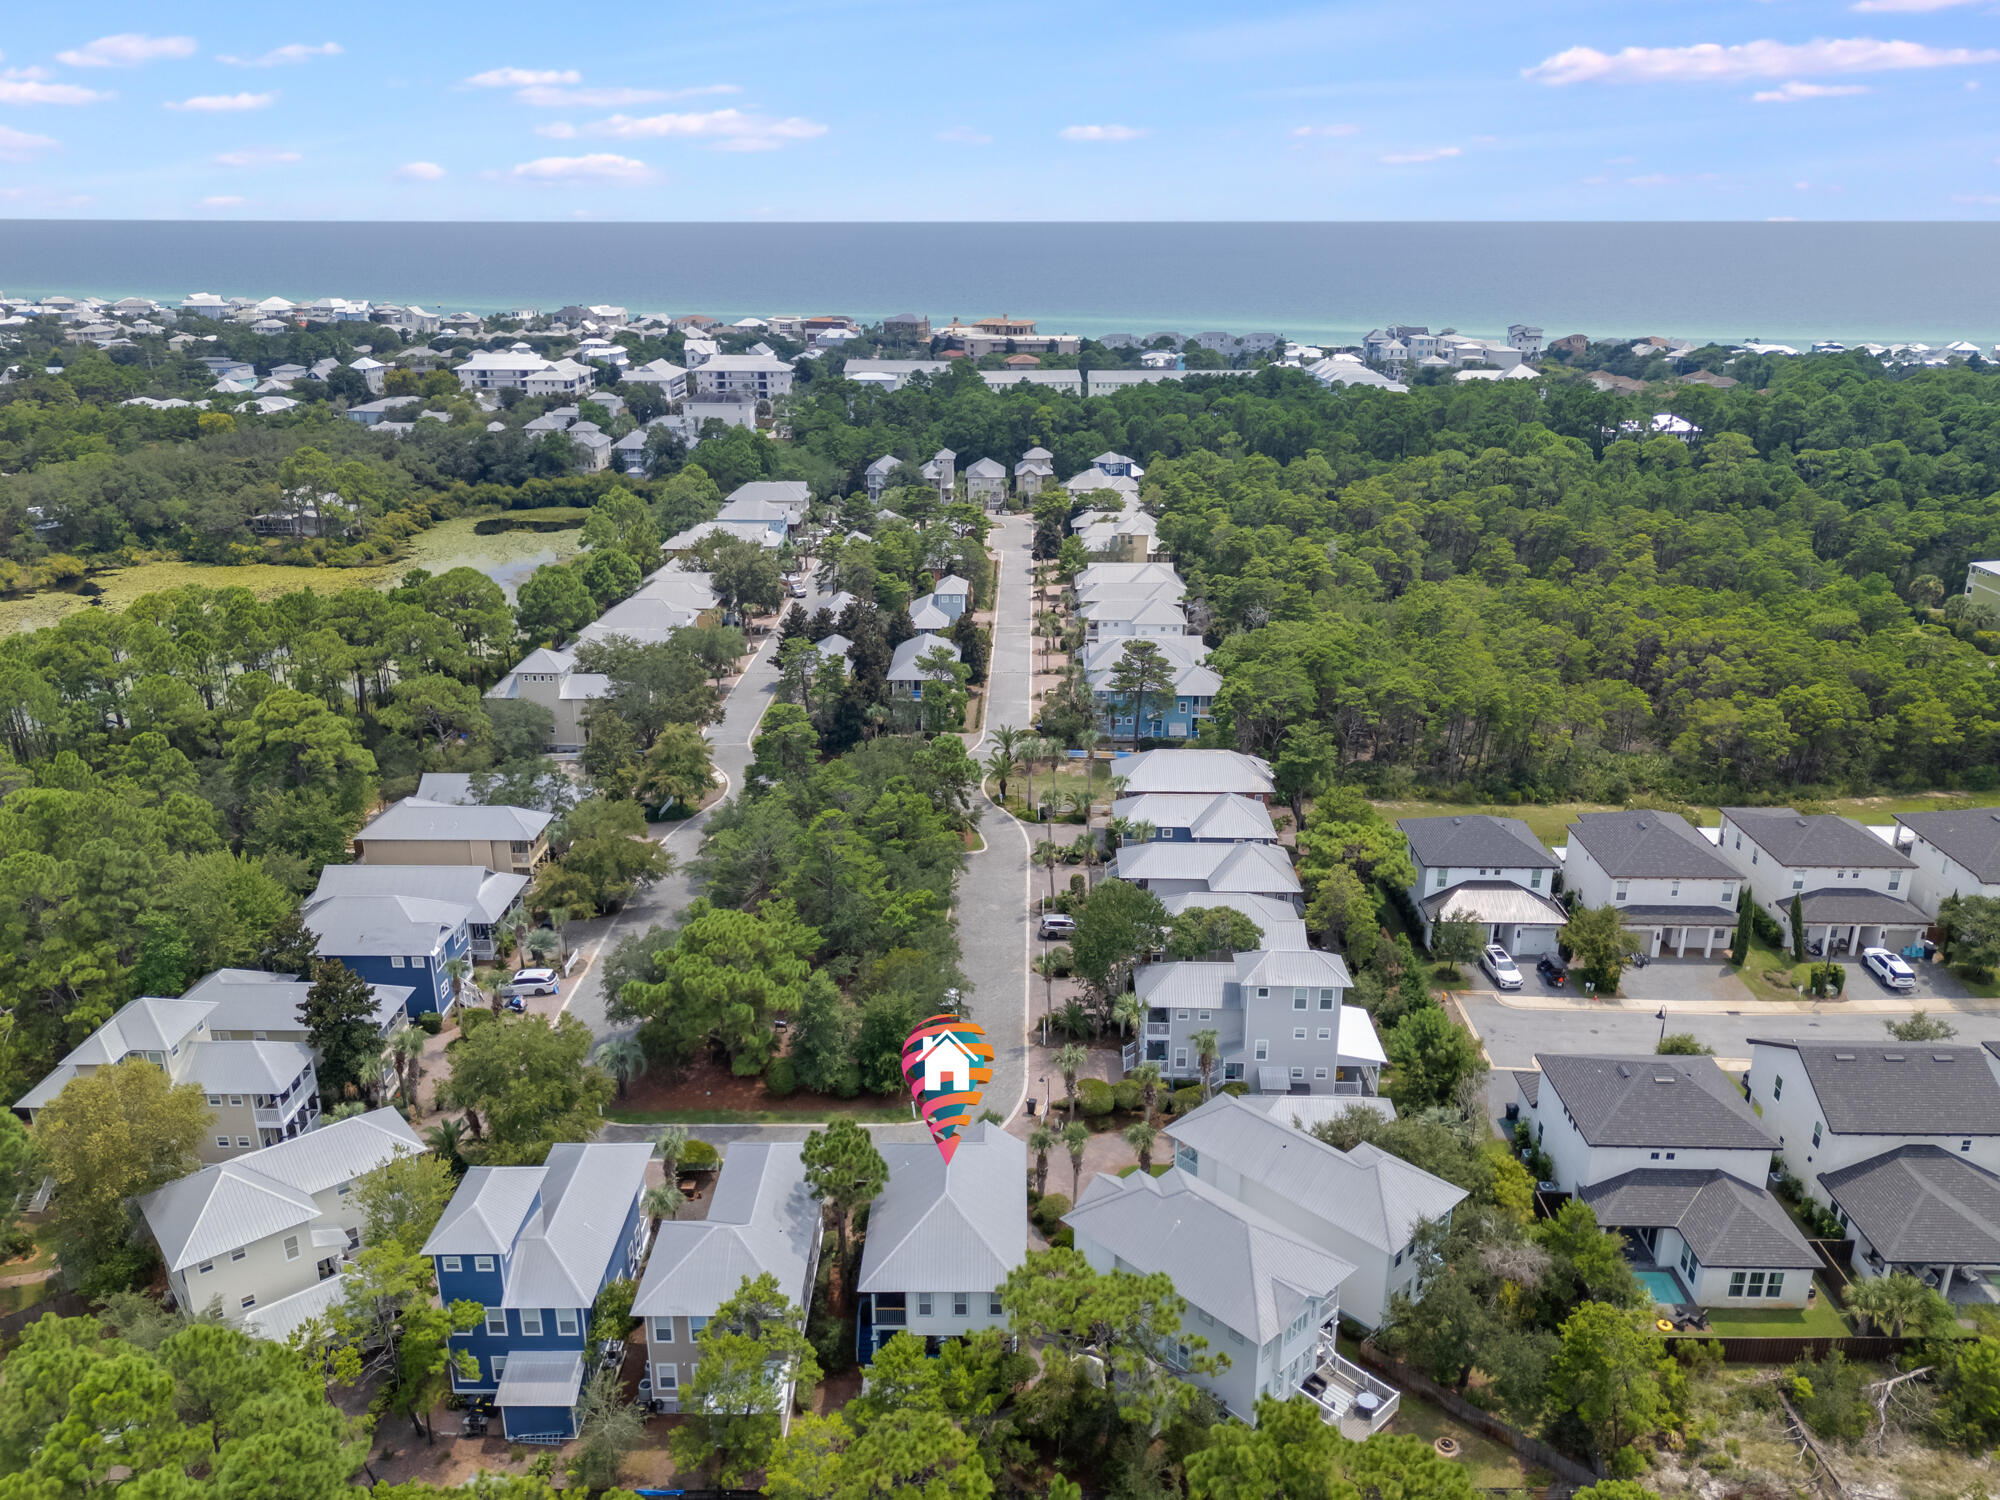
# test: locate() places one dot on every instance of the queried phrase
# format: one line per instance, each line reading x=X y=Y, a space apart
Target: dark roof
x=1477 y=839
x=1970 y=836
x=1899 y=1088
x=1695 y=914
x=1684 y=1102
x=1725 y=1220
x=1852 y=904
x=1795 y=840
x=1530 y=1081
x=1644 y=844
x=1921 y=1205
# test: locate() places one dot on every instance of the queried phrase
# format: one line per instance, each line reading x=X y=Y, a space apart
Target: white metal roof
x=948 y=1228
x=541 y=1377
x=413 y=818
x=1195 y=771
x=383 y=925
x=762 y=1218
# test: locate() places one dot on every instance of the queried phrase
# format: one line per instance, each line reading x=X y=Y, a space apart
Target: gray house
x=490 y=896
x=1279 y=1017
x=1923 y=1210
x=1487 y=870
x=876 y=476
x=906 y=679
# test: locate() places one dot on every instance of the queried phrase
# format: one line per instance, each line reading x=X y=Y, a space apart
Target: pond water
x=507 y=558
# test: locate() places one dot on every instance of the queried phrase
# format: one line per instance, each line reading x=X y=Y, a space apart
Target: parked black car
x=1551 y=969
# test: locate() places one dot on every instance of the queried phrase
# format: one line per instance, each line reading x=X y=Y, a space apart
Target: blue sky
x=915 y=109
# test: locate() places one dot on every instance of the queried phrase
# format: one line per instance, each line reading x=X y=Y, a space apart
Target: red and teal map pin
x=947 y=1063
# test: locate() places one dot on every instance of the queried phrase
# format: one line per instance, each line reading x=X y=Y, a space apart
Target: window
x=1816 y=1125
x=1624 y=890
x=396 y=961
x=243 y=1141
x=1232 y=1072
x=1326 y=1033
x=291 y=1248
x=1739 y=838
x=566 y=1322
x=215 y=1101
x=499 y=1366
x=1180 y=1059
x=961 y=1304
x=1298 y=1072
x=1778 y=1088
x=695 y=1326
x=1728 y=894
x=1895 y=879
x=663 y=1330
x=343 y=1190
x=235 y=1101
x=1965 y=1145
x=248 y=1302
x=993 y=1304
x=1799 y=882
x=1437 y=880
x=923 y=1304
x=416 y=963
x=1299 y=999
x=1775 y=1286
x=1203 y=1016
x=1319 y=1072
x=1298 y=1033
x=482 y=1262
x=449 y=1263
x=1262 y=1051
x=205 y=1267
x=1534 y=880
x=1656 y=1156
x=496 y=1320
x=222 y=1141
x=1326 y=999
x=531 y=1322
x=666 y=1378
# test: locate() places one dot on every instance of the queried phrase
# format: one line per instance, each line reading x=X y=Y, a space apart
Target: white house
x=1363 y=1205
x=1185 y=866
x=986 y=483
x=1669 y=884
x=1706 y=1237
x=663 y=374
x=943 y=1237
x=521 y=369
x=1487 y=870
x=1956 y=854
x=1210 y=771
x=758 y=376
x=550 y=678
x=1982 y=584
x=1853 y=888
x=1599 y=1116
x=253 y=1234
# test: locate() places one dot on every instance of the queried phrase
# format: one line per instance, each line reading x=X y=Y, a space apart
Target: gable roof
x=1921 y=1204
x=1377 y=1197
x=943 y=1227
x=1476 y=839
x=371 y=926
x=1684 y=1102
x=1278 y=920
x=1219 y=815
x=1493 y=901
x=903 y=665
x=1899 y=1088
x=1228 y=1260
x=1725 y=1220
x=1195 y=771
x=415 y=819
x=1646 y=844
x=267 y=1192
x=761 y=1218
x=488 y=894
x=1259 y=868
x=1796 y=840
x=1970 y=836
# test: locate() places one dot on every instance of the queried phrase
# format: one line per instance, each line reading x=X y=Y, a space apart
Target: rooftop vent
x=1941 y=1057
x=1663 y=1078
x=1624 y=1070
x=1843 y=1057
x=1892 y=1057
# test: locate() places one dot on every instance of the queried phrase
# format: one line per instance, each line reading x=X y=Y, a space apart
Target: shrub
x=699 y=1156
x=1237 y=1089
x=1063 y=1239
x=1128 y=1096
x=1828 y=1395
x=1764 y=927
x=1180 y=1101
x=470 y=1019
x=1095 y=1097
x=780 y=1077
x=431 y=1022
x=1048 y=1212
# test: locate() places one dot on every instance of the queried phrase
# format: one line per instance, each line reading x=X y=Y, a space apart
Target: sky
x=876 y=110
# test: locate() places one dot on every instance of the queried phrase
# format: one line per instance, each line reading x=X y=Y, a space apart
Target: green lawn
x=1490 y=1465
x=1822 y=1319
x=1160 y=1169
x=872 y=1115
x=1763 y=960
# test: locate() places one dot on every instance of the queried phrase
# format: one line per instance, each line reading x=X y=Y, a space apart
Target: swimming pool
x=1664 y=1286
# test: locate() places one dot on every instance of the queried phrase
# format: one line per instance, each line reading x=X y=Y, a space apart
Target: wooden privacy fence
x=63 y=1305
x=1835 y=1256
x=1530 y=1450
x=1785 y=1351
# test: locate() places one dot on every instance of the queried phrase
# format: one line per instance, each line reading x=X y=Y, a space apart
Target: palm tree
x=1140 y=1138
x=624 y=1059
x=1086 y=850
x=1029 y=751
x=455 y=969
x=1001 y=766
x=663 y=1202
x=1049 y=854
x=1050 y=966
x=1042 y=1140
x=1148 y=1075
x=1893 y=1302
x=1127 y=1012
x=1208 y=1052
x=1076 y=1137
x=559 y=919
x=1070 y=1060
x=670 y=1147
x=445 y=1138
x=405 y=1056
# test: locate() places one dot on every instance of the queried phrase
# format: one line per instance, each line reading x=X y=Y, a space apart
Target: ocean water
x=1788 y=282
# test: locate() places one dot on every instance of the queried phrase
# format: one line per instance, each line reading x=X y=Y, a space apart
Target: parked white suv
x=534 y=982
x=1499 y=967
x=1056 y=924
x=1889 y=968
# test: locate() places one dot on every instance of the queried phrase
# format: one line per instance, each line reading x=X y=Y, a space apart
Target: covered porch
x=1925 y=1211
x=1347 y=1396
x=1679 y=931
x=538 y=1395
x=1838 y=921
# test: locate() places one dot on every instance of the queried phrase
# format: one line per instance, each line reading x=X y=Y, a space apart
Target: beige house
x=415 y=832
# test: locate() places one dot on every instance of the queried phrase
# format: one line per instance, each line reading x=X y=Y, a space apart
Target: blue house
x=534 y=1246
x=1175 y=713
x=952 y=596
x=395 y=940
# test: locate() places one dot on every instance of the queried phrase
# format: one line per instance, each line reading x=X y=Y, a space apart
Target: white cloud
x=1100 y=133
x=1329 y=130
x=723 y=129
x=602 y=165
x=221 y=200
x=19 y=145
x=291 y=52
x=519 y=78
x=1793 y=92
x=31 y=86
x=1407 y=158
x=1709 y=62
x=543 y=96
x=420 y=171
x=128 y=49
x=965 y=135
x=214 y=104
x=257 y=157
x=1906 y=6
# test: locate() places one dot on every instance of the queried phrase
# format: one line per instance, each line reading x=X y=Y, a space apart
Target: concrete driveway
x=1683 y=979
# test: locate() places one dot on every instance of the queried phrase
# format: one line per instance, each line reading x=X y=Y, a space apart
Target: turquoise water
x=1664 y=1286
x=1792 y=283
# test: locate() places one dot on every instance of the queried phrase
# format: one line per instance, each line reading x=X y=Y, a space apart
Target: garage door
x=1531 y=941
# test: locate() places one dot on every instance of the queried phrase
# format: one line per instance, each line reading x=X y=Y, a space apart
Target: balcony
x=1158 y=1031
x=1347 y=1396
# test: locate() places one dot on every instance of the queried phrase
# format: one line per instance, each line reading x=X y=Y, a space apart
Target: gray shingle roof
x=1684 y=1102
x=1725 y=1221
x=1899 y=1088
x=948 y=1228
x=1851 y=904
x=1921 y=1205
x=413 y=818
x=1247 y=1271
x=762 y=1218
x=1476 y=839
x=1649 y=844
x=1971 y=836
x=1798 y=841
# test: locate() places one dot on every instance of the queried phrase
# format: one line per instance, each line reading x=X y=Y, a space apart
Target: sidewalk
x=1884 y=1006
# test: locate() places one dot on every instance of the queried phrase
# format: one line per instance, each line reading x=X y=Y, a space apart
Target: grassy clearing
x=1764 y=960
x=1550 y=821
x=870 y=1115
x=1490 y=1465
x=1821 y=1320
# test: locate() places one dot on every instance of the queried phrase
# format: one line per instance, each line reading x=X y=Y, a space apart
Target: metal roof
x=1292 y=968
x=1921 y=1205
x=1214 y=817
x=372 y=926
x=1305 y=1111
x=1899 y=1088
x=490 y=894
x=1476 y=839
x=1650 y=1101
x=262 y=1193
x=413 y=818
x=1499 y=901
x=1647 y=844
x=541 y=1377
x=1194 y=771
x=903 y=665
x=1799 y=841
x=1377 y=1197
x=1243 y=1269
x=762 y=1218
x=248 y=1067
x=956 y=1227
x=1280 y=923
x=1259 y=868
x=1725 y=1221
x=278 y=1320
x=1971 y=837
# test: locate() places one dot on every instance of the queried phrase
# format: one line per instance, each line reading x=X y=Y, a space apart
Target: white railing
x=1336 y=1386
x=1158 y=1030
